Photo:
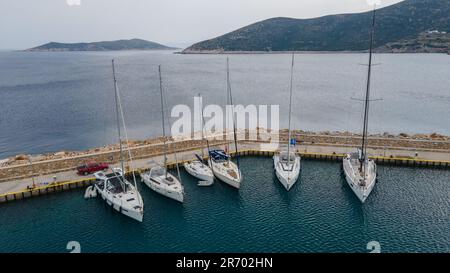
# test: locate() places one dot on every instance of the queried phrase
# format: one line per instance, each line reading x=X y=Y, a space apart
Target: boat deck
x=355 y=165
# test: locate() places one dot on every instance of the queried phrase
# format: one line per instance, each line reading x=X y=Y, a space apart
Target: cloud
x=73 y=2
x=374 y=2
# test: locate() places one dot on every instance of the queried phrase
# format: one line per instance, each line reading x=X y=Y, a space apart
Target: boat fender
x=91 y=192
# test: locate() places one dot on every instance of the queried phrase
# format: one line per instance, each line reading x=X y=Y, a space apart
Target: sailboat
x=361 y=171
x=287 y=162
x=197 y=168
x=222 y=166
x=114 y=188
x=158 y=178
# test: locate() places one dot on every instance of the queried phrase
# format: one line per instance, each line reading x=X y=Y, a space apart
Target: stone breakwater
x=65 y=161
x=22 y=166
x=419 y=141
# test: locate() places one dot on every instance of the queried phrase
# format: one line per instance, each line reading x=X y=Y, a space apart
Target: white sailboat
x=158 y=178
x=360 y=171
x=287 y=162
x=164 y=183
x=222 y=166
x=119 y=193
x=197 y=168
x=114 y=188
x=224 y=169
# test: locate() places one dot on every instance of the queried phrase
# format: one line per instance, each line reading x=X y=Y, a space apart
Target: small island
x=133 y=44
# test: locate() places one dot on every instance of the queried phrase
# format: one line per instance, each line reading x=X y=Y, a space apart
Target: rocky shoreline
x=431 y=141
x=238 y=52
x=388 y=49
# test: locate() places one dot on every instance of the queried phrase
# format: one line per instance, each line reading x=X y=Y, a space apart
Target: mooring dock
x=67 y=179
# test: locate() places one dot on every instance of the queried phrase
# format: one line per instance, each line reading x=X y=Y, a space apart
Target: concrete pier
x=16 y=189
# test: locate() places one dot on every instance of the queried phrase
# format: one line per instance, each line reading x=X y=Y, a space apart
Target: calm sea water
x=55 y=101
x=406 y=212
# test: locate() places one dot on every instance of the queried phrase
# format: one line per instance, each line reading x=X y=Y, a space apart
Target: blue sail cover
x=218 y=155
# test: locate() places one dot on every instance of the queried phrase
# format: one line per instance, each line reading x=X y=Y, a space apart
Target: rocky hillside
x=346 y=32
x=427 y=42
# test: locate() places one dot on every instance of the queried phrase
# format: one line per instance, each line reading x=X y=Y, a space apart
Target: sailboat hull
x=227 y=172
x=352 y=177
x=287 y=179
x=226 y=179
x=116 y=204
x=202 y=176
x=158 y=186
x=169 y=194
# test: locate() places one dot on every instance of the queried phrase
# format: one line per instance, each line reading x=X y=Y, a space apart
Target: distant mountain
x=133 y=44
x=346 y=32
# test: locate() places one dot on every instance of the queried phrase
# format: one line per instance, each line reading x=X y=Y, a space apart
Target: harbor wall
x=82 y=183
x=24 y=166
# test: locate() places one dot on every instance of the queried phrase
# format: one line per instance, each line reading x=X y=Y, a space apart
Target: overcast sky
x=28 y=23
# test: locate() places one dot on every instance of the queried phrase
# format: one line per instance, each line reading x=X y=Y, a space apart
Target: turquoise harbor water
x=63 y=101
x=408 y=211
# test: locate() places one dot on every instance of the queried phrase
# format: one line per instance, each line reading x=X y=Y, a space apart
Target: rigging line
x=206 y=138
x=232 y=107
x=130 y=158
x=371 y=64
x=164 y=101
x=367 y=97
x=162 y=119
x=106 y=122
x=116 y=98
x=119 y=108
x=356 y=99
x=379 y=106
x=156 y=111
x=350 y=130
x=226 y=107
x=290 y=110
x=117 y=114
x=201 y=120
x=174 y=150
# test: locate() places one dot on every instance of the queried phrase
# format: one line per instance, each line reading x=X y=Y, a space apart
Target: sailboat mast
x=290 y=111
x=232 y=108
x=367 y=98
x=116 y=99
x=203 y=137
x=206 y=138
x=162 y=118
x=228 y=103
